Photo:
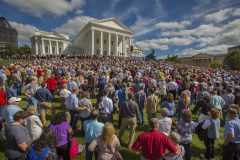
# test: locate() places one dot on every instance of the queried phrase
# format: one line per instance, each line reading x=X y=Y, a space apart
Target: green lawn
x=197 y=146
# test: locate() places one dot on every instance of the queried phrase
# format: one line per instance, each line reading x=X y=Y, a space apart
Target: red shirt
x=153 y=144
x=51 y=83
x=3 y=101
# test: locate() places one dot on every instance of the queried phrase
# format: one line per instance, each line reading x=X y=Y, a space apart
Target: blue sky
x=183 y=27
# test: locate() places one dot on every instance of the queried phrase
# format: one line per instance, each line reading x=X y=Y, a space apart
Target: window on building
x=112 y=43
x=97 y=40
x=60 y=50
x=53 y=49
x=105 y=41
x=46 y=49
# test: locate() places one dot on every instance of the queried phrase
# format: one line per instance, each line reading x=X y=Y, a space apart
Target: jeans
x=89 y=155
x=1 y=111
x=231 y=151
x=82 y=120
x=209 y=143
x=187 y=151
x=18 y=87
x=142 y=115
x=63 y=151
x=74 y=119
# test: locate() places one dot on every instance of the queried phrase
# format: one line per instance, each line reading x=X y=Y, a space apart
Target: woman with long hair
x=44 y=146
x=183 y=104
x=169 y=104
x=63 y=131
x=108 y=142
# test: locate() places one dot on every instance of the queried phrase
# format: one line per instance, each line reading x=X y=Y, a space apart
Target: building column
x=93 y=41
x=36 y=48
x=50 y=47
x=130 y=41
x=109 y=44
x=43 y=47
x=124 y=46
x=101 y=43
x=116 y=54
x=57 y=49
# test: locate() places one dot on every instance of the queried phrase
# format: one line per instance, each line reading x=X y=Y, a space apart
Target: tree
x=173 y=58
x=11 y=49
x=151 y=55
x=232 y=60
x=24 y=50
x=216 y=64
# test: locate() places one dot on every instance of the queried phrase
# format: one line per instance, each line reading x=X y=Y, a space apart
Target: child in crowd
x=183 y=104
x=169 y=104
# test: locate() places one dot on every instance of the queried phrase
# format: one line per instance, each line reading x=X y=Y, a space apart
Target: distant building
x=105 y=37
x=8 y=35
x=136 y=51
x=201 y=59
x=234 y=49
x=49 y=43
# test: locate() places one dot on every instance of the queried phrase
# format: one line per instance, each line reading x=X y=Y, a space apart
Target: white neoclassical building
x=49 y=43
x=105 y=37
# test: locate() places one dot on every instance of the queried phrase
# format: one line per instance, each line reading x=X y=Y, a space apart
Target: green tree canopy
x=173 y=58
x=11 y=49
x=24 y=50
x=232 y=60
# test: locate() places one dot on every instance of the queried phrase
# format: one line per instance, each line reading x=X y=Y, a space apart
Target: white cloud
x=219 y=16
x=202 y=30
x=40 y=7
x=73 y=26
x=236 y=12
x=25 y=31
x=217 y=49
x=79 y=12
x=172 y=25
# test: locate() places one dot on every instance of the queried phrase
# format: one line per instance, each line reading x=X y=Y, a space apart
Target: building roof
x=234 y=47
x=51 y=35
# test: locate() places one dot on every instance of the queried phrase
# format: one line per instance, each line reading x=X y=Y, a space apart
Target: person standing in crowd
x=18 y=139
x=30 y=89
x=213 y=126
x=109 y=143
x=162 y=87
x=62 y=129
x=92 y=129
x=182 y=105
x=17 y=78
x=105 y=108
x=228 y=98
x=231 y=146
x=175 y=139
x=141 y=100
x=172 y=87
x=169 y=104
x=152 y=102
x=152 y=143
x=44 y=146
x=64 y=93
x=129 y=112
x=44 y=97
x=33 y=123
x=85 y=108
x=11 y=91
x=217 y=101
x=185 y=128
x=73 y=107
x=52 y=84
x=3 y=101
x=165 y=122
x=11 y=109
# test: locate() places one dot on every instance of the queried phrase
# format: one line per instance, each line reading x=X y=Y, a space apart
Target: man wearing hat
x=11 y=109
x=231 y=146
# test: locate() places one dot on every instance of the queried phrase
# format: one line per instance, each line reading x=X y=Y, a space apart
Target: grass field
x=196 y=149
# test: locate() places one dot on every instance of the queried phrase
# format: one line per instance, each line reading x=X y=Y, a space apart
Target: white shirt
x=64 y=93
x=165 y=124
x=172 y=86
x=34 y=126
x=106 y=105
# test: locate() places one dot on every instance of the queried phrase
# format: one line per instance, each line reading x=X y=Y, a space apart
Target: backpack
x=43 y=154
x=201 y=133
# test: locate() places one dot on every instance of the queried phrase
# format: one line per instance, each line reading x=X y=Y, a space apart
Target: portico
x=105 y=37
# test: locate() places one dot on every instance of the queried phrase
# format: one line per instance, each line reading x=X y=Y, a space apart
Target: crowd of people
x=130 y=93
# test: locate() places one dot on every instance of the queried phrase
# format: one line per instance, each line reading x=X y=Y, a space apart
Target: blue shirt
x=9 y=112
x=43 y=95
x=169 y=106
x=233 y=127
x=11 y=92
x=92 y=129
x=72 y=102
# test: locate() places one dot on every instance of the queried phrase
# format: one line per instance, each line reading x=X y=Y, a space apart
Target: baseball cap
x=14 y=99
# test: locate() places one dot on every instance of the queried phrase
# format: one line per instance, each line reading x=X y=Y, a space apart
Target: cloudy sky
x=183 y=27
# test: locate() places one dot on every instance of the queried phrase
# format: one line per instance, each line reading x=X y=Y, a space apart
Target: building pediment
x=202 y=55
x=53 y=35
x=112 y=23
